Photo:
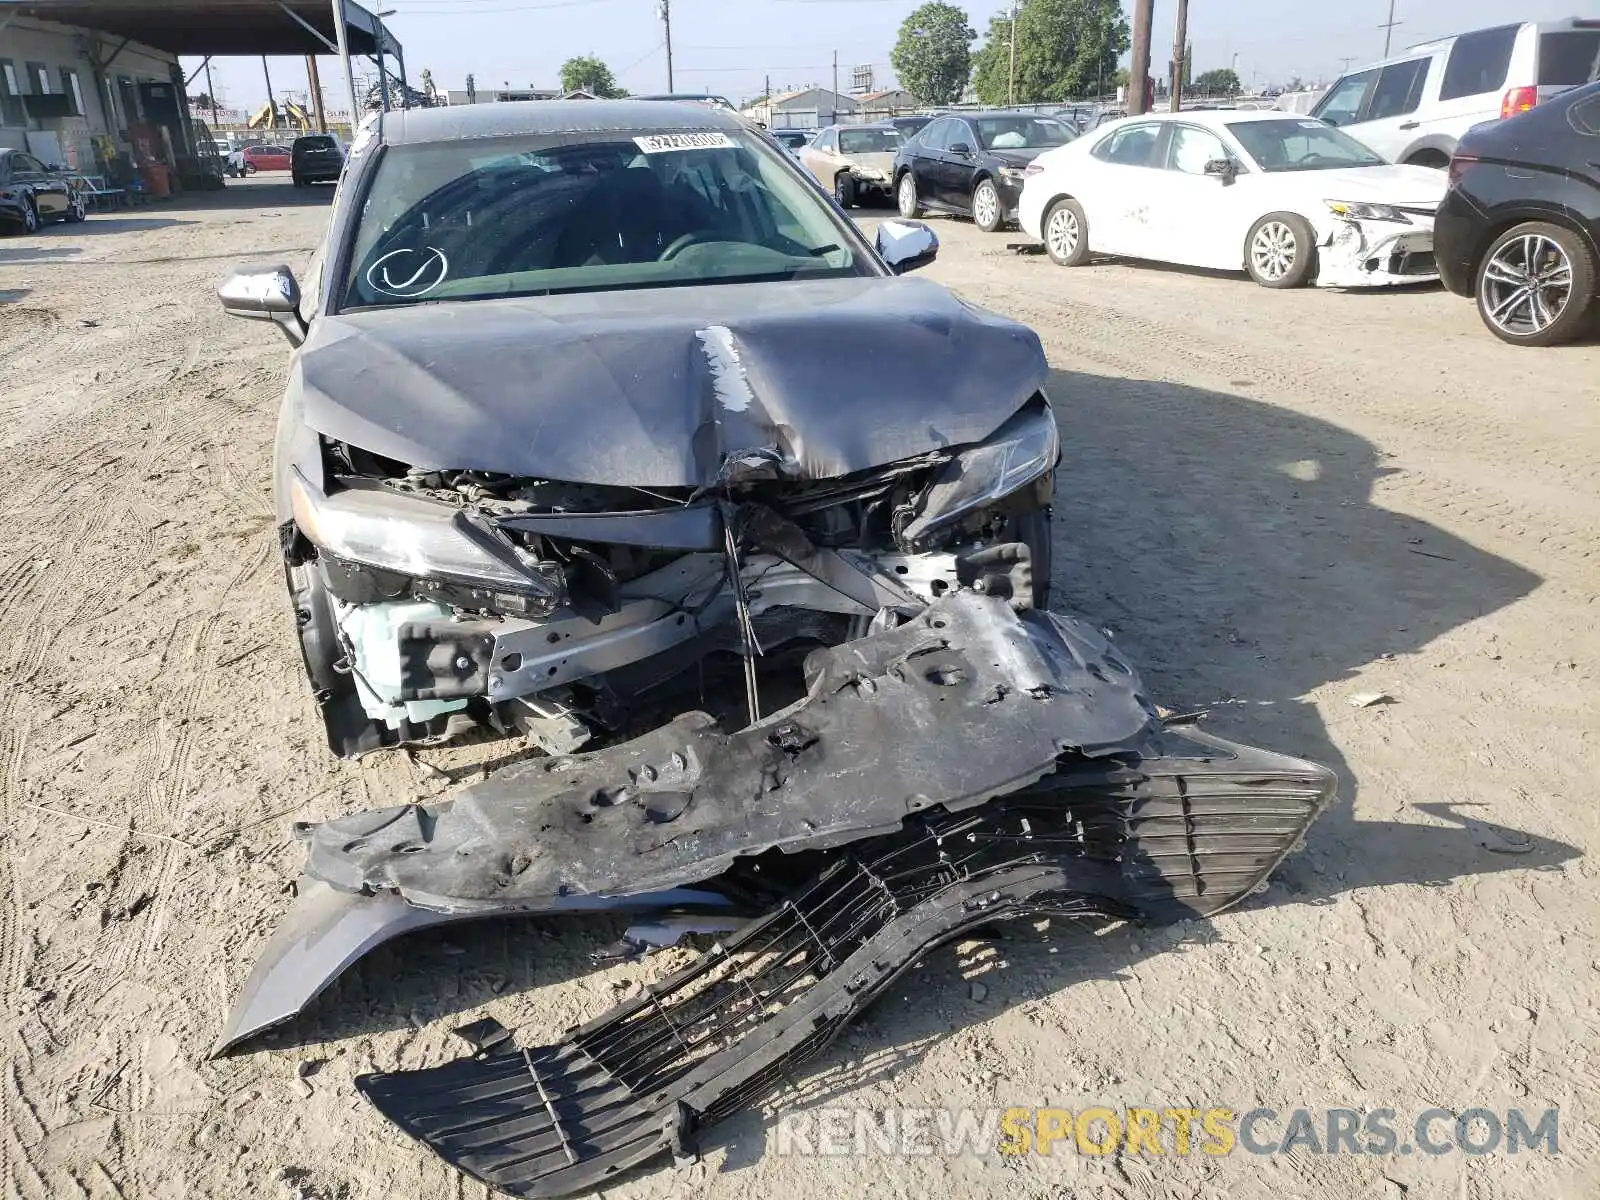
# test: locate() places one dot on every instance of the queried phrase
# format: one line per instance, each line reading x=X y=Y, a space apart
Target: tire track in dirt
x=117 y=528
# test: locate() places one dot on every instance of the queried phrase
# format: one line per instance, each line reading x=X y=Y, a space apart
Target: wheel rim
x=986 y=204
x=838 y=191
x=1062 y=236
x=30 y=218
x=1527 y=285
x=1273 y=251
x=908 y=195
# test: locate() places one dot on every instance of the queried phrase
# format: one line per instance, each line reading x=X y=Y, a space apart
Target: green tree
x=933 y=54
x=1065 y=49
x=587 y=73
x=1221 y=82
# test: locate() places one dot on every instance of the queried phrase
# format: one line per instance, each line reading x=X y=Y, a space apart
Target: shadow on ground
x=100 y=224
x=37 y=249
x=1235 y=550
x=259 y=191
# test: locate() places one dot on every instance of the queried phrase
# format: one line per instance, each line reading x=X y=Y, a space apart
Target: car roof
x=403 y=126
x=999 y=112
x=1213 y=117
x=884 y=125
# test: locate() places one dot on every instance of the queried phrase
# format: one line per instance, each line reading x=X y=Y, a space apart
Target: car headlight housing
x=1020 y=452
x=1353 y=210
x=1013 y=174
x=418 y=538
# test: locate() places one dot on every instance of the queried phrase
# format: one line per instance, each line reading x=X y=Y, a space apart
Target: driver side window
x=828 y=142
x=1192 y=148
x=936 y=138
x=1343 y=105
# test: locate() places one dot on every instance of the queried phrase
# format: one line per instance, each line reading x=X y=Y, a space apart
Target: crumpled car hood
x=1388 y=184
x=655 y=388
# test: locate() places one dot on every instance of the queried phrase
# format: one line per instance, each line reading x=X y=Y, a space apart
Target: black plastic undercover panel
x=215 y=27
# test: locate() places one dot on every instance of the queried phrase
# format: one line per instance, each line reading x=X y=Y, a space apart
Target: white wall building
x=60 y=86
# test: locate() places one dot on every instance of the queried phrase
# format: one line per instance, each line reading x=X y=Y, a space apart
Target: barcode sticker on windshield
x=1312 y=125
x=662 y=143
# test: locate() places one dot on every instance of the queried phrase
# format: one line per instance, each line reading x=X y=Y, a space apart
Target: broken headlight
x=418 y=538
x=1357 y=211
x=1021 y=451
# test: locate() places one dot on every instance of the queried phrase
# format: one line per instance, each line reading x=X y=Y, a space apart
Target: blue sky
x=731 y=46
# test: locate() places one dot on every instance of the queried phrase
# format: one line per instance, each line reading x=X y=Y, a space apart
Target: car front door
x=1197 y=219
x=818 y=156
x=1116 y=197
x=925 y=154
x=1389 y=123
x=957 y=165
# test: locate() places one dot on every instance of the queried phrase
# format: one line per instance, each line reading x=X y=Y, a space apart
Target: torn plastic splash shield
x=326 y=931
x=1190 y=828
x=966 y=702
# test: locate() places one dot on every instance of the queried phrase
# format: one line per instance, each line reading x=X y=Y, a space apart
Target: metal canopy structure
x=218 y=27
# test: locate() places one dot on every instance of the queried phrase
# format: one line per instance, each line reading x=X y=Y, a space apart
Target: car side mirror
x=265 y=294
x=1223 y=168
x=960 y=148
x=906 y=245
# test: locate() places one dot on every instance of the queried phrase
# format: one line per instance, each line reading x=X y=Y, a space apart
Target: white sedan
x=1289 y=199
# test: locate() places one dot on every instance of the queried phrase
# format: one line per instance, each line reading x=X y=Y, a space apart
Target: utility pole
x=383 y=69
x=1180 y=47
x=342 y=37
x=835 y=72
x=1011 y=95
x=1139 y=66
x=212 y=92
x=664 y=11
x=271 y=102
x=315 y=81
x=1388 y=29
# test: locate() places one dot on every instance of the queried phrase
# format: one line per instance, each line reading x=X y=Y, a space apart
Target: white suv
x=1414 y=108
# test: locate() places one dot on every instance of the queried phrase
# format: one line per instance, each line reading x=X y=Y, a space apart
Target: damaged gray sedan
x=605 y=428
x=553 y=368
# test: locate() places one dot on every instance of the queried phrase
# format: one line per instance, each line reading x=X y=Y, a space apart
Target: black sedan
x=1519 y=229
x=973 y=164
x=30 y=194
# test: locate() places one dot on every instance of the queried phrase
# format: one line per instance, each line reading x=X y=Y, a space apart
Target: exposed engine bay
x=430 y=602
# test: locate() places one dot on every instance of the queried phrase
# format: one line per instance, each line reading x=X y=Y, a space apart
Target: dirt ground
x=1275 y=500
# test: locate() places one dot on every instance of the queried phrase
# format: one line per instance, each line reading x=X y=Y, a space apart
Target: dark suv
x=316 y=158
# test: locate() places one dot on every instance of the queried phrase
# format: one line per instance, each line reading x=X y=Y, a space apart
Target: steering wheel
x=1305 y=158
x=682 y=242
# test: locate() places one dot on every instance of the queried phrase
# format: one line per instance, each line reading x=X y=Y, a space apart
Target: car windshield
x=868 y=141
x=1022 y=133
x=553 y=213
x=1301 y=144
x=314 y=143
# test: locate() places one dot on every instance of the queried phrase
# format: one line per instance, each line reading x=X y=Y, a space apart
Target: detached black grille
x=1187 y=829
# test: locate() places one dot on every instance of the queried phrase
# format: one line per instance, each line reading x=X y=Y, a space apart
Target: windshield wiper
x=819 y=251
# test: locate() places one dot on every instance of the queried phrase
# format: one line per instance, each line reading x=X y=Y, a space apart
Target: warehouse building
x=62 y=86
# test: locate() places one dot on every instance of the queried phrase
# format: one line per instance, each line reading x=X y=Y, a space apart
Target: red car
x=267 y=158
